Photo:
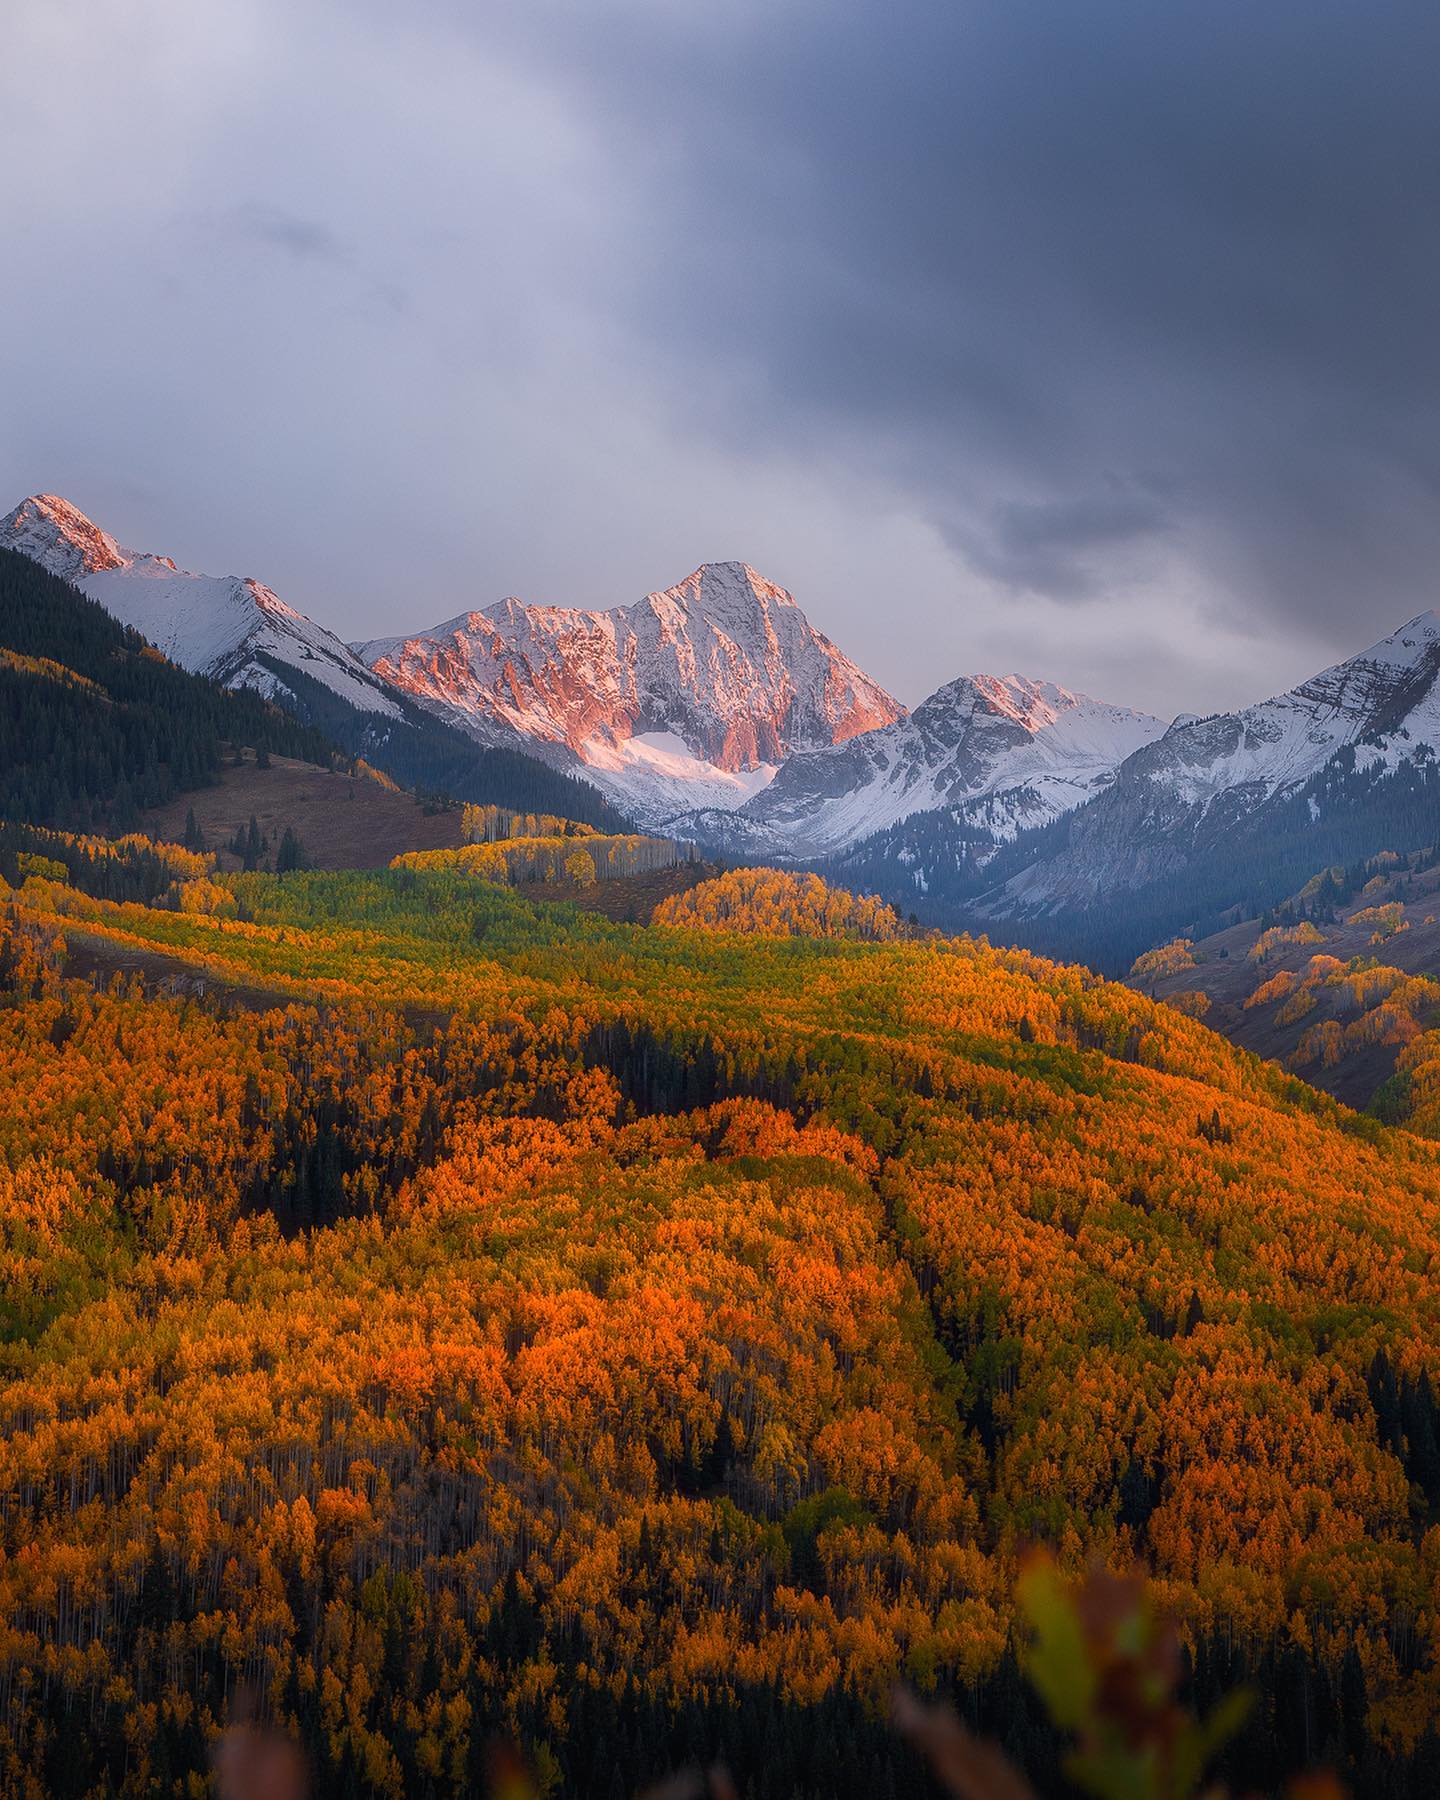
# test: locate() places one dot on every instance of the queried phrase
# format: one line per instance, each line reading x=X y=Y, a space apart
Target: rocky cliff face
x=694 y=695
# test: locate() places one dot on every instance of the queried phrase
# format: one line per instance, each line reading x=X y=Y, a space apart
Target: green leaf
x=1058 y=1662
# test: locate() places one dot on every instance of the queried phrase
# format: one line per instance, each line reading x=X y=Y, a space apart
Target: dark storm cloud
x=1015 y=251
x=1060 y=547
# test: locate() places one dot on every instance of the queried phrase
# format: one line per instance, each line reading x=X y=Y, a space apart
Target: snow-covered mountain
x=1001 y=753
x=1343 y=733
x=1384 y=701
x=691 y=698
x=226 y=626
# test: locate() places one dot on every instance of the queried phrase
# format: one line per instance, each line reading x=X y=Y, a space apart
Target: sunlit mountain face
x=692 y=696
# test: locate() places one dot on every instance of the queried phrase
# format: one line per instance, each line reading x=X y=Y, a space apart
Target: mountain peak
x=995 y=753
x=228 y=627
x=723 y=669
x=60 y=537
x=1406 y=643
x=724 y=587
x=1033 y=706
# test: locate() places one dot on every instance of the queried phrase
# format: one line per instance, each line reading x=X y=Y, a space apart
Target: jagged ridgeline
x=95 y=725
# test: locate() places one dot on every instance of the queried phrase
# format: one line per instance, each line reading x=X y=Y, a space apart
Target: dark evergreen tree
x=291 y=854
x=95 y=725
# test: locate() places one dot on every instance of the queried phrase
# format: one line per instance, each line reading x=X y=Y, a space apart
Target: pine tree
x=291 y=854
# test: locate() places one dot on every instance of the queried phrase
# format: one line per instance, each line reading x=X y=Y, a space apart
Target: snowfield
x=216 y=625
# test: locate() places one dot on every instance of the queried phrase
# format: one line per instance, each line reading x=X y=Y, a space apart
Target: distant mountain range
x=715 y=710
x=1214 y=819
x=1373 y=717
x=1000 y=755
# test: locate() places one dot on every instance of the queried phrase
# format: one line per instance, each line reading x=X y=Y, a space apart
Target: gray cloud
x=1064 y=548
x=1021 y=246
x=307 y=239
x=1096 y=340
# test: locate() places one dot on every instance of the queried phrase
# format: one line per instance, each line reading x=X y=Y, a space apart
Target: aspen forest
x=720 y=901
x=433 y=1314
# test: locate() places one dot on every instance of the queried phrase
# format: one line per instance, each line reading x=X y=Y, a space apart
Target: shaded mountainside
x=95 y=726
x=651 y=1343
x=999 y=755
x=1235 y=811
x=1340 y=983
x=1137 y=865
x=1213 y=820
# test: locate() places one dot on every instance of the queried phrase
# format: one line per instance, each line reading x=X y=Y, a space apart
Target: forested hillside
x=95 y=725
x=467 y=1316
x=1340 y=982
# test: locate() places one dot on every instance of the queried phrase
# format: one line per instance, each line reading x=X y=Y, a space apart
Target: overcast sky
x=1089 y=338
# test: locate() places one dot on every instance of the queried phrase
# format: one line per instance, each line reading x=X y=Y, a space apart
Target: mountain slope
x=692 y=696
x=95 y=726
x=1340 y=983
x=1216 y=819
x=1001 y=753
x=228 y=627
x=237 y=632
x=1334 y=744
